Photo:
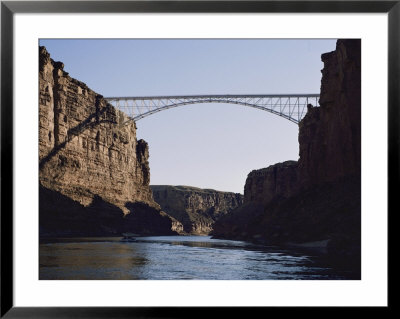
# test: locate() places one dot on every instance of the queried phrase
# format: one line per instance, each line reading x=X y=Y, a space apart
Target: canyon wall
x=276 y=181
x=87 y=157
x=318 y=197
x=196 y=209
x=330 y=135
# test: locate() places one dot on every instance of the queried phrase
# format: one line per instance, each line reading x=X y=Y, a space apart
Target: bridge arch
x=292 y=107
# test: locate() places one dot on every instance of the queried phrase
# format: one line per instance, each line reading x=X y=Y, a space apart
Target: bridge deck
x=209 y=95
x=289 y=106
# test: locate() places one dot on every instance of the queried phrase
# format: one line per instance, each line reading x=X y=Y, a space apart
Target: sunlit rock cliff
x=317 y=198
x=93 y=173
x=197 y=209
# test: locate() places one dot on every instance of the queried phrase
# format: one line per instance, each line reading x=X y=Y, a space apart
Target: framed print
x=163 y=189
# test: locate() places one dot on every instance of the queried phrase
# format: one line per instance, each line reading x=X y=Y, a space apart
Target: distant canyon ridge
x=94 y=174
x=197 y=209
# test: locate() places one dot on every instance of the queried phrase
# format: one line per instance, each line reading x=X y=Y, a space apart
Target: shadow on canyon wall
x=60 y=216
x=88 y=123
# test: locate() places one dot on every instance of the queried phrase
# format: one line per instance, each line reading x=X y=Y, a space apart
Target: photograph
x=165 y=159
x=199 y=159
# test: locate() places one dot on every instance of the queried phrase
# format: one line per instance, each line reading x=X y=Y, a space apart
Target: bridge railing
x=290 y=106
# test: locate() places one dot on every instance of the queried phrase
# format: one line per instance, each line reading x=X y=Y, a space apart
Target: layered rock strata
x=276 y=181
x=318 y=197
x=85 y=153
x=197 y=209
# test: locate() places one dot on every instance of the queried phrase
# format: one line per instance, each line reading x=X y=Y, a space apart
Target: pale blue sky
x=204 y=145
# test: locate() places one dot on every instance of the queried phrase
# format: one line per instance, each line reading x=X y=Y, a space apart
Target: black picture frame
x=9 y=8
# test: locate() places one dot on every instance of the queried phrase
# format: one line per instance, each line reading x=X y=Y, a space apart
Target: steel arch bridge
x=292 y=107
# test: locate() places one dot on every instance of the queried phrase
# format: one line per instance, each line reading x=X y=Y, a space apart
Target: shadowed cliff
x=317 y=198
x=60 y=216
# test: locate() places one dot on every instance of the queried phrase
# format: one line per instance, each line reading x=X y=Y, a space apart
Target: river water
x=179 y=257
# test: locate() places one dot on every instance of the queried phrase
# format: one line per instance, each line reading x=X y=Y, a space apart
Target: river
x=180 y=257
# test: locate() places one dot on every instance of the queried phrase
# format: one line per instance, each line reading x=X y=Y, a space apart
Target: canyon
x=94 y=175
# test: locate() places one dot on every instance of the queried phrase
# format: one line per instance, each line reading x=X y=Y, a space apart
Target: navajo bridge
x=292 y=107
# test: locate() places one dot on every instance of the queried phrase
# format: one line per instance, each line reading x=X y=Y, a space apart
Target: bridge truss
x=292 y=107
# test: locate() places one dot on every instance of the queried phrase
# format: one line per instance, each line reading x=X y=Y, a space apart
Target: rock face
x=276 y=181
x=197 y=209
x=86 y=155
x=330 y=135
x=319 y=197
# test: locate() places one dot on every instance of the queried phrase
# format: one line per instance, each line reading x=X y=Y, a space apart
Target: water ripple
x=176 y=257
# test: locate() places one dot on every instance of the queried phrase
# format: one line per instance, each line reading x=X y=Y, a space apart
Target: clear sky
x=203 y=145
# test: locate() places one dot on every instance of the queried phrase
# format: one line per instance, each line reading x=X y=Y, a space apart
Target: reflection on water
x=177 y=257
x=89 y=260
